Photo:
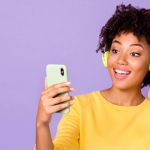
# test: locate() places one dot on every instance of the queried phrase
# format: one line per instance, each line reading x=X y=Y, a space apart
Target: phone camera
x=62 y=71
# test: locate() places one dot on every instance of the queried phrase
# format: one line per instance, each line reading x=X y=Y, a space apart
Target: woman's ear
x=149 y=93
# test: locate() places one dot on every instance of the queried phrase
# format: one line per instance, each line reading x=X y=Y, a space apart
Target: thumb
x=46 y=84
x=149 y=93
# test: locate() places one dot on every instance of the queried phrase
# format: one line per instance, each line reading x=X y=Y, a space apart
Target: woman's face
x=128 y=61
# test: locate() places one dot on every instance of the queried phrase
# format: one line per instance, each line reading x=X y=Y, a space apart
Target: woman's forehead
x=131 y=37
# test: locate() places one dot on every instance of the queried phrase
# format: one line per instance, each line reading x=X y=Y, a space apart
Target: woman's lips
x=121 y=73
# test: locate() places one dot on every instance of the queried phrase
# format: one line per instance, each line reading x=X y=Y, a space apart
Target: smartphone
x=57 y=73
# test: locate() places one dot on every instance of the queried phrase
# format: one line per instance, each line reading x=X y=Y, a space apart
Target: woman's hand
x=50 y=104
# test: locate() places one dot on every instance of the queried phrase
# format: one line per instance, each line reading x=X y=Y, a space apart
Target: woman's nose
x=122 y=59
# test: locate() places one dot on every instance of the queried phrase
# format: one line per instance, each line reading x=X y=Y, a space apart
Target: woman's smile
x=121 y=73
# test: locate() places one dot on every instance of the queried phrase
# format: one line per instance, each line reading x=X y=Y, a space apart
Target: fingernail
x=72 y=89
x=68 y=83
x=71 y=102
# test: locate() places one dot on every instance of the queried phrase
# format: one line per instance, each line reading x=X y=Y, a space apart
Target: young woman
x=117 y=118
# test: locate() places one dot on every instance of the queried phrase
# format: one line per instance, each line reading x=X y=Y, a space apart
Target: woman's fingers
x=53 y=92
x=57 y=100
x=55 y=86
x=58 y=103
x=58 y=107
x=51 y=95
x=58 y=85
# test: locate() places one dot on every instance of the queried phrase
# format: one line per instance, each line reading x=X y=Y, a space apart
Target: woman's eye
x=114 y=51
x=135 y=54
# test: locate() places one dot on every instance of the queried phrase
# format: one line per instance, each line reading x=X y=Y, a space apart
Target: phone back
x=57 y=73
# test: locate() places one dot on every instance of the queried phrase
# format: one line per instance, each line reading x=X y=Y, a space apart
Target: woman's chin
x=123 y=86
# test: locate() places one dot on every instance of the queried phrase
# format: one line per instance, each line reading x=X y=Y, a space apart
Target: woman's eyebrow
x=115 y=41
x=137 y=45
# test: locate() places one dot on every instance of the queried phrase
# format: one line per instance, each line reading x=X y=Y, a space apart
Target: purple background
x=34 y=33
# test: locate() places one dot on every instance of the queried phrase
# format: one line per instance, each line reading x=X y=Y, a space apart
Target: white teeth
x=121 y=71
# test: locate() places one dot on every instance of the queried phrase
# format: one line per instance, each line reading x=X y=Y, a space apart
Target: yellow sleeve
x=67 y=135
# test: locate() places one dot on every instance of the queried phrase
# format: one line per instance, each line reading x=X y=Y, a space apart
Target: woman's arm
x=43 y=138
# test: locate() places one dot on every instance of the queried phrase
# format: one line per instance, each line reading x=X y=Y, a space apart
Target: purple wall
x=34 y=33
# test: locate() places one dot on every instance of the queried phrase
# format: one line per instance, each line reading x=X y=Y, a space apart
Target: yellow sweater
x=96 y=124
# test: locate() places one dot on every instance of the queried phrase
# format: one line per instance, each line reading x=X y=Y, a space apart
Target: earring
x=105 y=57
x=149 y=68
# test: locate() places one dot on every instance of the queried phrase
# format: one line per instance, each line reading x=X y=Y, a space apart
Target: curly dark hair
x=126 y=19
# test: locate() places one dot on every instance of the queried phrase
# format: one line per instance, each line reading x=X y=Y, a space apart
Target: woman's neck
x=130 y=97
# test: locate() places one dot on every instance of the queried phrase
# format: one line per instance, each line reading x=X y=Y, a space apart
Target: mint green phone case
x=57 y=73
